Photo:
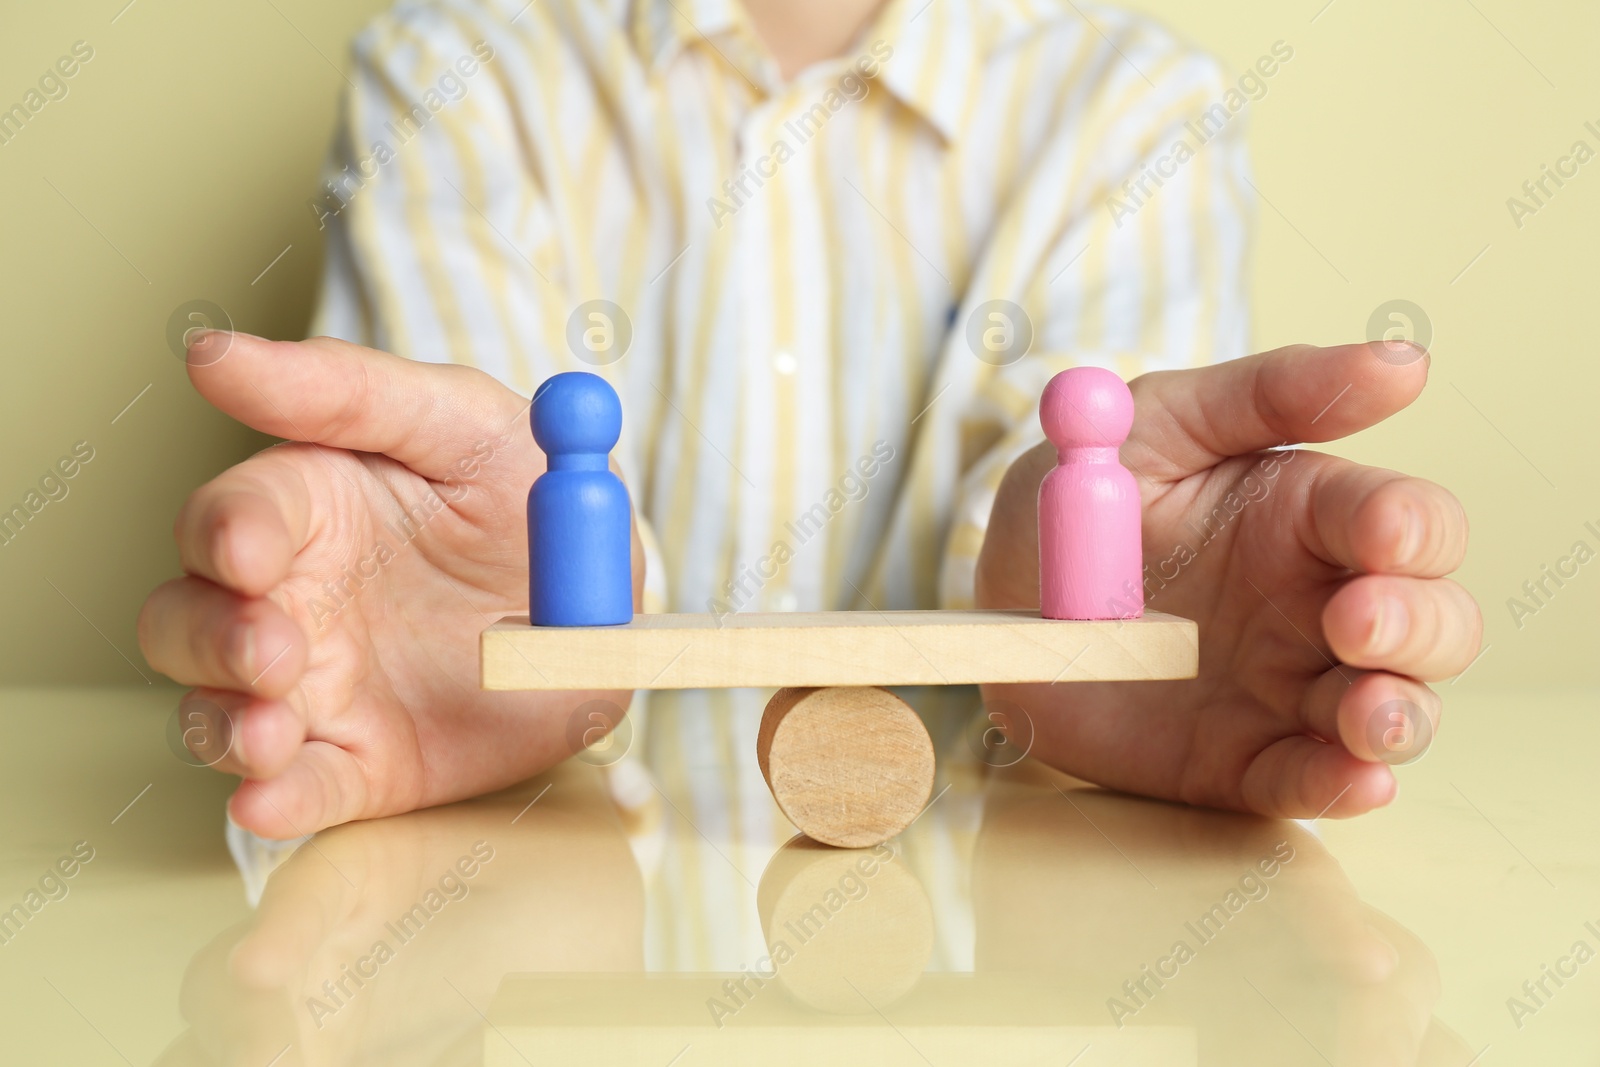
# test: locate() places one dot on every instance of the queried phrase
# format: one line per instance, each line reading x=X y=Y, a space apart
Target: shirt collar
x=938 y=52
x=937 y=47
x=663 y=28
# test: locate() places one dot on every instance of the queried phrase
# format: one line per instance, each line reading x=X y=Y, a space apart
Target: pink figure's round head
x=1086 y=407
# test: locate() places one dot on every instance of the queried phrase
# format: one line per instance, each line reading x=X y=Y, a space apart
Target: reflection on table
x=1025 y=918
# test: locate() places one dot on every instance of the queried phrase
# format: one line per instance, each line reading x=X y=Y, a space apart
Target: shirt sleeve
x=1138 y=264
x=439 y=239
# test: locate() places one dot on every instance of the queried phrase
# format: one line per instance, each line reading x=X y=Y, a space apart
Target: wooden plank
x=777 y=649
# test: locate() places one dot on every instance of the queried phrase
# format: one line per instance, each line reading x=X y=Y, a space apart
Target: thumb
x=330 y=392
x=1189 y=420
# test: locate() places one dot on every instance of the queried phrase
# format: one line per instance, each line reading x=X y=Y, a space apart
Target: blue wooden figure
x=579 y=534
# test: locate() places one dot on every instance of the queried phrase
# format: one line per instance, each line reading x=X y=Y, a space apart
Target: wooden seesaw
x=848 y=762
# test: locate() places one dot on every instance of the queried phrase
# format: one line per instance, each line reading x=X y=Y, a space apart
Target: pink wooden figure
x=1091 y=561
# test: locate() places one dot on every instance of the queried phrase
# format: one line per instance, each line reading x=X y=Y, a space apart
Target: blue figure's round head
x=576 y=412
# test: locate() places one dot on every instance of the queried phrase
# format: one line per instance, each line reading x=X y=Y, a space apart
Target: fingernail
x=244 y=639
x=1410 y=536
x=206 y=336
x=1388 y=626
x=206 y=347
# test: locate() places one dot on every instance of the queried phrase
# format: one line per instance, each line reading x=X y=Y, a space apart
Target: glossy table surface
x=601 y=914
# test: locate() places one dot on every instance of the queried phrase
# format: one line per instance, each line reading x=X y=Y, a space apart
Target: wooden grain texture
x=849 y=766
x=771 y=650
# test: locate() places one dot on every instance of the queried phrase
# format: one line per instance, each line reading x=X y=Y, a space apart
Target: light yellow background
x=179 y=165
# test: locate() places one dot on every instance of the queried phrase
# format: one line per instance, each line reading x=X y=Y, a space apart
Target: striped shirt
x=829 y=304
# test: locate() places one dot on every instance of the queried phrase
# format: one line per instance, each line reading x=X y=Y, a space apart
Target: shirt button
x=784 y=363
x=784 y=600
